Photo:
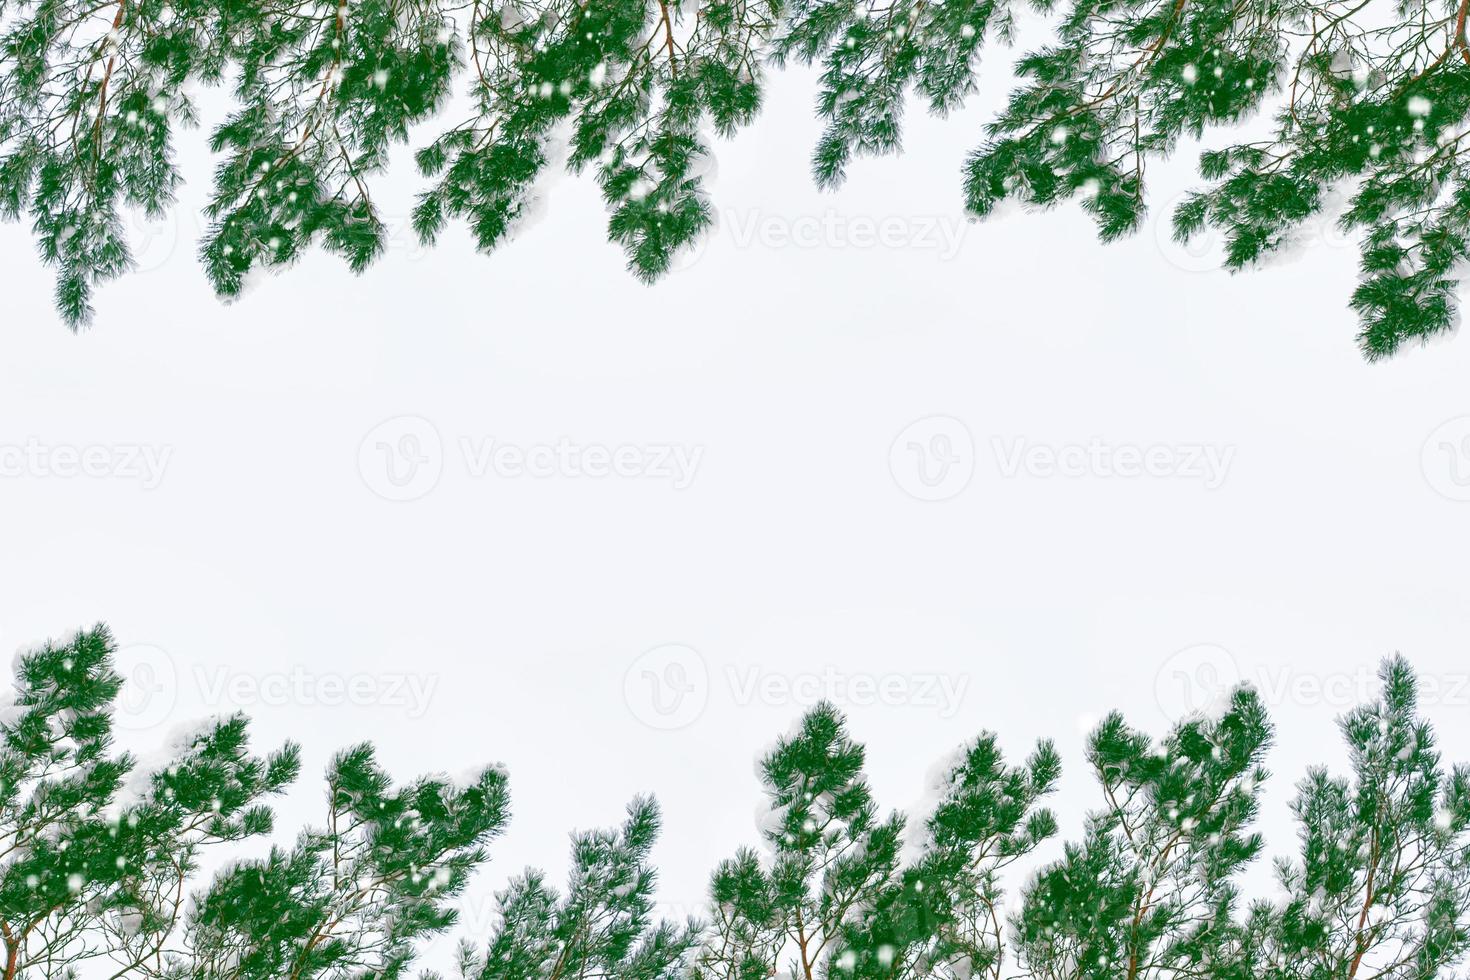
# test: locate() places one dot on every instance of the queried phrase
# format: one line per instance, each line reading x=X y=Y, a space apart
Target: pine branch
x=1372 y=104
x=100 y=863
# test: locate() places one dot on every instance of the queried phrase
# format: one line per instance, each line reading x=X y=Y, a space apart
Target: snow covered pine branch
x=100 y=860
x=1370 y=101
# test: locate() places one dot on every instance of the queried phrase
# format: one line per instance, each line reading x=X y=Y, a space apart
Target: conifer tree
x=637 y=80
x=94 y=852
x=874 y=54
x=944 y=917
x=1365 y=105
x=833 y=857
x=1122 y=83
x=1149 y=892
x=836 y=898
x=601 y=929
x=90 y=97
x=1377 y=108
x=99 y=857
x=1382 y=885
x=324 y=90
x=354 y=897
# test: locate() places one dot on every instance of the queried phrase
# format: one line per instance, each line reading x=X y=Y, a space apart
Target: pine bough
x=1368 y=100
x=100 y=861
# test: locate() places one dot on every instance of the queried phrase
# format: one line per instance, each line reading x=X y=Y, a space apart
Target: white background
x=528 y=603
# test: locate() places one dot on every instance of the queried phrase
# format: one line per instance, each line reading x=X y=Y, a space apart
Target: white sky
x=522 y=603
